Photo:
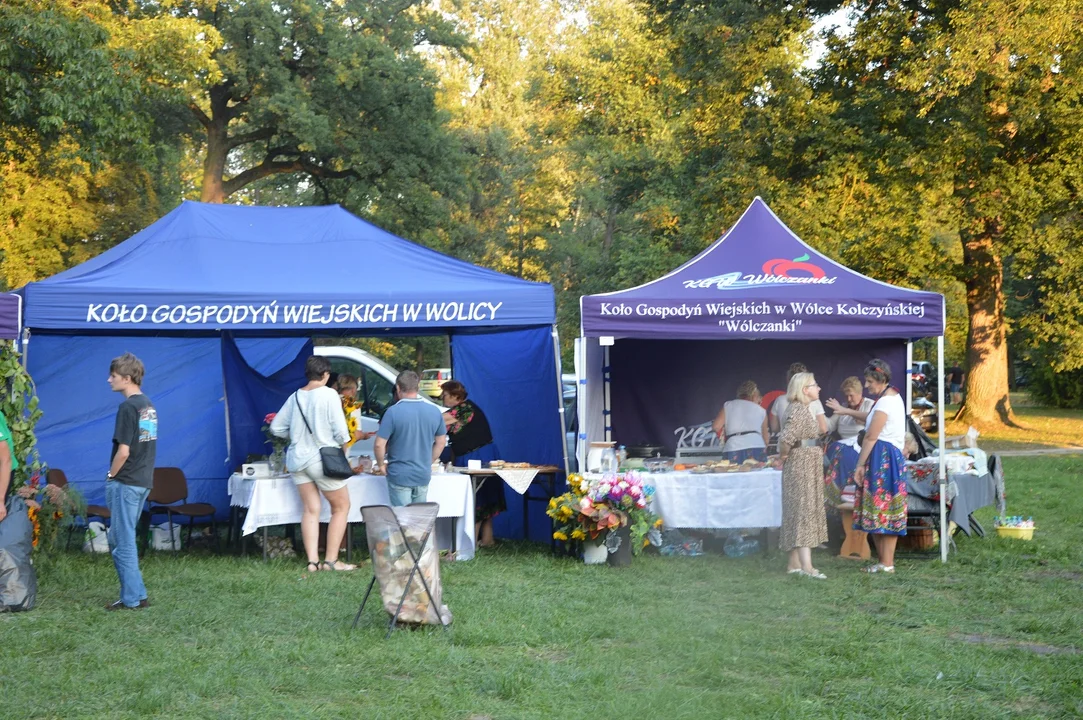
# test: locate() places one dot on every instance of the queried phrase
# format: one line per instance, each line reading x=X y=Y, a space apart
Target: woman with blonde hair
x=847 y=421
x=741 y=424
x=804 y=521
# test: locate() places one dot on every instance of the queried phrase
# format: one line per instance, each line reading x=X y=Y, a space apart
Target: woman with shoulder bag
x=313 y=420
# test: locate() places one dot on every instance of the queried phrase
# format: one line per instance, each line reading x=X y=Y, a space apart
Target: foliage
x=51 y=509
x=596 y=507
x=1056 y=389
x=333 y=95
x=19 y=405
x=278 y=445
x=970 y=109
x=85 y=161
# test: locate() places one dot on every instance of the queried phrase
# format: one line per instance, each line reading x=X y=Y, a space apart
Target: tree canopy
x=594 y=144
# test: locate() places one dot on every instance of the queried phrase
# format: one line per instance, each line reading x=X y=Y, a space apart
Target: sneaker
x=118 y=605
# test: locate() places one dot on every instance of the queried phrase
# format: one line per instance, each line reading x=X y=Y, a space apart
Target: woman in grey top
x=320 y=406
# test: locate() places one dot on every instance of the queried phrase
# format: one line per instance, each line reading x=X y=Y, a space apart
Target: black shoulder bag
x=335 y=464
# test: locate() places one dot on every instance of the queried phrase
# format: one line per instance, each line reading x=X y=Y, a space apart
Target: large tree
x=318 y=90
x=980 y=101
x=83 y=159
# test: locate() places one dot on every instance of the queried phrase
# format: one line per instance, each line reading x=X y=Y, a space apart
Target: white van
x=375 y=386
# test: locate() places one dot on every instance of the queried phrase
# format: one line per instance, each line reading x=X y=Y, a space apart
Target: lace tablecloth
x=518 y=479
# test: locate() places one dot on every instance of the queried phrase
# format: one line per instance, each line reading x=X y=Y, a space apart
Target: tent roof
x=9 y=316
x=263 y=269
x=760 y=280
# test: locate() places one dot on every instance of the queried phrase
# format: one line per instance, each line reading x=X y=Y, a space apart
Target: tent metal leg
x=944 y=539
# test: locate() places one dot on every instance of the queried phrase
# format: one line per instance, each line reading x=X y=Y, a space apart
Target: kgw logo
x=777 y=271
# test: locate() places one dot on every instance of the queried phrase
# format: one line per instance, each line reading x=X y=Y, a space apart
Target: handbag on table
x=335 y=464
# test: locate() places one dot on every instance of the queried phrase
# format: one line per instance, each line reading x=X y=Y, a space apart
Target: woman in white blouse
x=880 y=502
x=742 y=425
x=846 y=422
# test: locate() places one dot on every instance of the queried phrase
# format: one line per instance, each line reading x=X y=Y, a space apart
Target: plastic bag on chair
x=18 y=581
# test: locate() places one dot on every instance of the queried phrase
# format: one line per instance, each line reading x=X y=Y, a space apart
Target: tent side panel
x=184 y=380
x=512 y=377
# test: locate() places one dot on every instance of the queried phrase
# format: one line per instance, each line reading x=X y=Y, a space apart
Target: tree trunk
x=214 y=165
x=987 y=402
x=216 y=125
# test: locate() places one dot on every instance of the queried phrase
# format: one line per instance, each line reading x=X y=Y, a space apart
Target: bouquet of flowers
x=50 y=508
x=594 y=508
x=278 y=445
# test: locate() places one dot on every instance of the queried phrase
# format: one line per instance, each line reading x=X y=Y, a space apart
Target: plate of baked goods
x=501 y=464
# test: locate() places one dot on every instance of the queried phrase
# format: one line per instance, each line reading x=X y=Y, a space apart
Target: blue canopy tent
x=209 y=289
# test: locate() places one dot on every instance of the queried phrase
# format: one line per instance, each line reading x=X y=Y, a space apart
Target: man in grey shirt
x=410 y=439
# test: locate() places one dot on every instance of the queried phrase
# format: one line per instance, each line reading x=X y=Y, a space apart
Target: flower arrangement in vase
x=277 y=458
x=596 y=509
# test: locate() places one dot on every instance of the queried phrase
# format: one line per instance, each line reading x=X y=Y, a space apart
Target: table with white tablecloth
x=718 y=500
x=686 y=499
x=275 y=501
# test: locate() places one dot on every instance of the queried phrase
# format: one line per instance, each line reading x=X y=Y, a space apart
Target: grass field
x=994 y=633
x=1038 y=427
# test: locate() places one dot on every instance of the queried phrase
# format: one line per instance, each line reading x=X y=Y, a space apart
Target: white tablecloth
x=275 y=501
x=723 y=500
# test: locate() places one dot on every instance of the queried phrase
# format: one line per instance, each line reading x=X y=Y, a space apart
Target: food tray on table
x=725 y=466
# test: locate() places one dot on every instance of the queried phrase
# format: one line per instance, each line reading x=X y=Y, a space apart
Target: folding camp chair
x=401 y=543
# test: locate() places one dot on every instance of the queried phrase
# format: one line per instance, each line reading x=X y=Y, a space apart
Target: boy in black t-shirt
x=131 y=473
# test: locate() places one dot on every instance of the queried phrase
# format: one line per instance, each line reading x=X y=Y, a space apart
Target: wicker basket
x=919 y=539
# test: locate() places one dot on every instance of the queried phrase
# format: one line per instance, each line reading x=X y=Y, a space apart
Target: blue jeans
x=125 y=503
x=404 y=494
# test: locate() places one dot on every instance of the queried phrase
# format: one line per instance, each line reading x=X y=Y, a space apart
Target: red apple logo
x=783 y=268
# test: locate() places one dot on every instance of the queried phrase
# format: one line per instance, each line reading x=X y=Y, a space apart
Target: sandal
x=337 y=565
x=879 y=568
x=312 y=566
x=816 y=574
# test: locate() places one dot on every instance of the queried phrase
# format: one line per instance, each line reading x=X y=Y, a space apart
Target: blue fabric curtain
x=512 y=377
x=250 y=395
x=184 y=380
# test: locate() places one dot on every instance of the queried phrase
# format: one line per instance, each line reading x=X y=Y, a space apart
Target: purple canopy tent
x=10 y=312
x=756 y=300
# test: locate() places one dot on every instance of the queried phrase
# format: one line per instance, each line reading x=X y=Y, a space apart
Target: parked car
x=375 y=386
x=923 y=379
x=432 y=379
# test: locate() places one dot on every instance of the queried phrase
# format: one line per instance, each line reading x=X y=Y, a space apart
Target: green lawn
x=995 y=633
x=1036 y=427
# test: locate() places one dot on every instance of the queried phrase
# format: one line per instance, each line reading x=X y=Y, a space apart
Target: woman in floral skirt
x=880 y=503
